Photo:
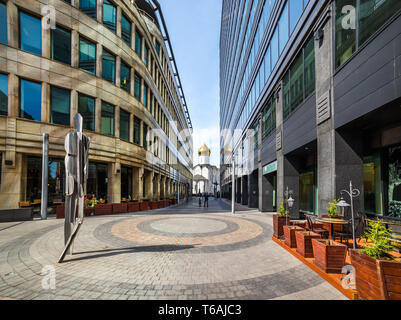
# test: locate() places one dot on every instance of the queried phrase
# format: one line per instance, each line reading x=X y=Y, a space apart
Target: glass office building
x=310 y=99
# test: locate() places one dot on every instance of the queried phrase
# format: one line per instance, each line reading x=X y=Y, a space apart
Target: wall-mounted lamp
x=319 y=33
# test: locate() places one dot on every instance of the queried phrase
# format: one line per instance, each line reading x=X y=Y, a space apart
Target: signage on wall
x=272 y=167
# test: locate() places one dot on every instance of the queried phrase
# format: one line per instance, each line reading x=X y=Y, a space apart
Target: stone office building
x=111 y=61
x=311 y=99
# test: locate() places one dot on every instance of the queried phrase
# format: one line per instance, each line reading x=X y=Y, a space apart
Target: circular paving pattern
x=161 y=256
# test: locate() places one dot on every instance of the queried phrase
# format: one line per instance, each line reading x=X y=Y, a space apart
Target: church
x=206 y=176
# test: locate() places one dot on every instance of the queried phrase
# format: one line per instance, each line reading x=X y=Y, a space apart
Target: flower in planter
x=332 y=209
x=379 y=243
x=282 y=211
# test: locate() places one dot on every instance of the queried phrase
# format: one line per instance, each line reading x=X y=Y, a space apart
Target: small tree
x=282 y=211
x=380 y=243
x=332 y=209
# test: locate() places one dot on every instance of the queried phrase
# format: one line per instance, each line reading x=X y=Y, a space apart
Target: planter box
x=301 y=224
x=289 y=235
x=120 y=208
x=103 y=209
x=329 y=255
x=304 y=242
x=133 y=207
x=60 y=212
x=376 y=279
x=278 y=223
x=154 y=205
x=88 y=212
x=14 y=215
x=144 y=206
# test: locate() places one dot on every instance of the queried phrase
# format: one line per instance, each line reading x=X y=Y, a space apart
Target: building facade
x=112 y=62
x=311 y=100
x=206 y=176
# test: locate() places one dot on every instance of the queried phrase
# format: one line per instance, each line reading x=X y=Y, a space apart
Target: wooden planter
x=144 y=206
x=376 y=279
x=60 y=212
x=133 y=207
x=289 y=235
x=120 y=208
x=298 y=224
x=103 y=209
x=304 y=242
x=153 y=205
x=329 y=255
x=278 y=223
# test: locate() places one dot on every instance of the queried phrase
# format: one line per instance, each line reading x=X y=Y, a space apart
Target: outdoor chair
x=323 y=232
x=346 y=233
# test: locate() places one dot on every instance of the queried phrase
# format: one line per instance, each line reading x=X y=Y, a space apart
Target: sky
x=194 y=30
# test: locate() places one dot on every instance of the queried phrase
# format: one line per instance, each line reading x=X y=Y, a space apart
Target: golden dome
x=204 y=151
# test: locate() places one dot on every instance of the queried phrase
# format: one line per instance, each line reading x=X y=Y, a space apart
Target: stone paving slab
x=178 y=253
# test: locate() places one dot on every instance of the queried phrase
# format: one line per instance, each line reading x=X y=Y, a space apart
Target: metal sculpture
x=76 y=168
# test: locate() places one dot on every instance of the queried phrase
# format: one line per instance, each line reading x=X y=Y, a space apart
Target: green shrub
x=332 y=209
x=282 y=212
x=380 y=243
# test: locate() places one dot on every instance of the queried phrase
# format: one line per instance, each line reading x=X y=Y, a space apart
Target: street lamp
x=289 y=200
x=353 y=193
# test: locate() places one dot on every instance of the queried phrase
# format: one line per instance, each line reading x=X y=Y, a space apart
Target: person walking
x=206 y=202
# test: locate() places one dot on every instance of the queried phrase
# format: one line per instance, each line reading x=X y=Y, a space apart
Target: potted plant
x=289 y=235
x=329 y=255
x=377 y=271
x=304 y=242
x=279 y=220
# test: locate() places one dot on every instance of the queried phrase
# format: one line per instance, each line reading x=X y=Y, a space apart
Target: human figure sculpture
x=76 y=168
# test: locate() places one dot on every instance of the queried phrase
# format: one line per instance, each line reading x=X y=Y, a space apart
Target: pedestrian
x=200 y=202
x=206 y=202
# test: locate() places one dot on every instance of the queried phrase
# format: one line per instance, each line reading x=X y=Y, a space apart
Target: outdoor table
x=332 y=222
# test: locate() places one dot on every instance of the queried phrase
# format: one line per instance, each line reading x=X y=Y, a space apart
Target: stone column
x=46 y=35
x=13 y=95
x=45 y=102
x=118 y=70
x=117 y=122
x=131 y=126
x=99 y=13
x=99 y=54
x=74 y=106
x=119 y=27
x=98 y=115
x=137 y=184
x=74 y=48
x=114 y=184
x=12 y=24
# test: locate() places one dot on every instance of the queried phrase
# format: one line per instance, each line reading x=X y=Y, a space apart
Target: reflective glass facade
x=86 y=107
x=30 y=33
x=3 y=23
x=107 y=119
x=3 y=94
x=87 y=56
x=30 y=100
x=61 y=45
x=60 y=101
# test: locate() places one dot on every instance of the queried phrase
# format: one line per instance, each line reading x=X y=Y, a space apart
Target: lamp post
x=233 y=187
x=353 y=193
x=289 y=201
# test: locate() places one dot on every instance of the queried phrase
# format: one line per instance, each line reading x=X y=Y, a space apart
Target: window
x=372 y=183
x=267 y=64
x=157 y=47
x=295 y=13
x=30 y=33
x=137 y=131
x=269 y=118
x=86 y=107
x=109 y=15
x=145 y=96
x=3 y=94
x=126 y=182
x=274 y=48
x=345 y=37
x=3 y=23
x=109 y=66
x=297 y=82
x=137 y=86
x=89 y=7
x=138 y=44
x=60 y=106
x=145 y=133
x=107 y=119
x=30 y=100
x=309 y=67
x=124 y=125
x=126 y=30
x=125 y=77
x=87 y=56
x=61 y=45
x=373 y=14
x=283 y=29
x=145 y=58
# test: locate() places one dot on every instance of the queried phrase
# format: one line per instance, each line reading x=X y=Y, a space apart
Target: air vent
x=323 y=108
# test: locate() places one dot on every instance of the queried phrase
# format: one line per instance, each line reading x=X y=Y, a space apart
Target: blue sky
x=194 y=29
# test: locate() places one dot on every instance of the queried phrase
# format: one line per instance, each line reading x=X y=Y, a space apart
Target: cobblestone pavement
x=182 y=252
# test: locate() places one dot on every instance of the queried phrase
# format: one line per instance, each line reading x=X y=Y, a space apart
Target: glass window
x=269 y=118
x=138 y=44
x=56 y=182
x=137 y=130
x=286 y=96
x=109 y=15
x=157 y=47
x=126 y=30
x=86 y=107
x=274 y=48
x=30 y=33
x=3 y=94
x=126 y=182
x=394 y=181
x=267 y=64
x=61 y=45
x=309 y=67
x=145 y=59
x=373 y=14
x=87 y=56
x=89 y=7
x=307 y=191
x=297 y=82
x=3 y=23
x=30 y=100
x=124 y=125
x=60 y=106
x=345 y=32
x=97 y=180
x=145 y=133
x=295 y=13
x=107 y=119
x=33 y=178
x=145 y=96
x=108 y=66
x=125 y=75
x=372 y=185
x=137 y=87
x=283 y=29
